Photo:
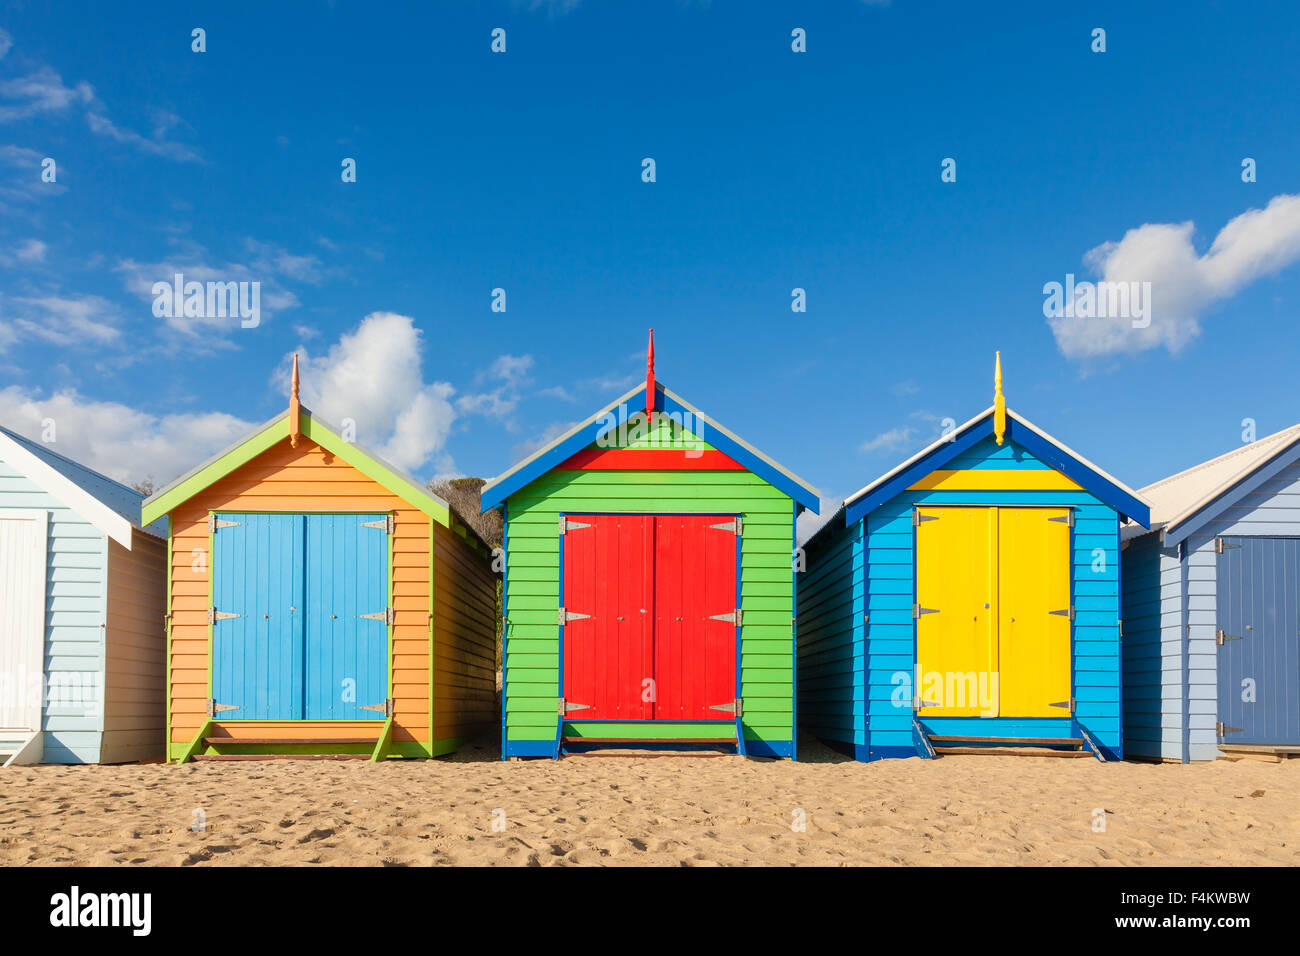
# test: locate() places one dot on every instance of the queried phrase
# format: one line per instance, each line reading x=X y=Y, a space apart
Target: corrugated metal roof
x=1178 y=497
x=114 y=496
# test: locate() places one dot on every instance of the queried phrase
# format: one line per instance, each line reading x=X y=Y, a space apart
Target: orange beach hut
x=321 y=603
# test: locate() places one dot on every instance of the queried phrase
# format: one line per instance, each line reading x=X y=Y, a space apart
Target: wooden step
x=1013 y=751
x=669 y=741
x=282 y=756
x=1014 y=741
x=287 y=741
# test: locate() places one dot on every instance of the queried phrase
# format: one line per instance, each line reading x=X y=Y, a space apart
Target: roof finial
x=650 y=379
x=999 y=401
x=294 y=405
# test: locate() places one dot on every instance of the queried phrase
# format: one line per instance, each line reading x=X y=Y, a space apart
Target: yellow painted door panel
x=956 y=630
x=1033 y=641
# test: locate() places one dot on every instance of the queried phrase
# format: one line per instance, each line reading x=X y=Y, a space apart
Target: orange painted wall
x=306 y=478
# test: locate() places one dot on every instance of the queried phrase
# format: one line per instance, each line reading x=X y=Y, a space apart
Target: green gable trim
x=376 y=470
x=165 y=501
x=271 y=434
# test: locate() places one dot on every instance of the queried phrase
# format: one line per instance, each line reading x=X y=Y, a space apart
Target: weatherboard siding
x=463 y=637
x=1152 y=649
x=532 y=665
x=136 y=650
x=832 y=605
x=76 y=576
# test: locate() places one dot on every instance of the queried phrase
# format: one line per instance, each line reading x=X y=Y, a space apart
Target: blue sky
x=774 y=170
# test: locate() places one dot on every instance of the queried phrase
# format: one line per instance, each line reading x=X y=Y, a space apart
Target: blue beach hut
x=967 y=601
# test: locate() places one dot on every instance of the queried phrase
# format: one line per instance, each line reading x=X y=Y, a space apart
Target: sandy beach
x=665 y=811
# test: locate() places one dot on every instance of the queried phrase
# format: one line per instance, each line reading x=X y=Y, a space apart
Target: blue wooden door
x=257 y=610
x=346 y=675
x=1258 y=593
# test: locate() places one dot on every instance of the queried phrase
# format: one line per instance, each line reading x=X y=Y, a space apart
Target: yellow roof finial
x=999 y=401
x=294 y=405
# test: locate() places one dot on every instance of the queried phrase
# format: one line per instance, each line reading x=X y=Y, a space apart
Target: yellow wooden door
x=956 y=613
x=1034 y=612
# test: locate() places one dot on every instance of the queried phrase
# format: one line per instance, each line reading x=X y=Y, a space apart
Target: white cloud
x=42 y=91
x=373 y=377
x=117 y=440
x=512 y=372
x=62 y=319
x=31 y=250
x=196 y=264
x=890 y=440
x=168 y=149
x=1184 y=285
x=903 y=389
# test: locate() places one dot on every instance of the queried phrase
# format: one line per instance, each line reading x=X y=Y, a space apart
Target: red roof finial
x=650 y=379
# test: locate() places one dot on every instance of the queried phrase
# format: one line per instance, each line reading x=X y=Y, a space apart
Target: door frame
x=388 y=651
x=41 y=517
x=564 y=719
x=915 y=508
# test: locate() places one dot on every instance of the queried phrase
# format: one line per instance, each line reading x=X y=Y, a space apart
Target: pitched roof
x=1019 y=430
x=1178 y=498
x=592 y=428
x=271 y=433
x=109 y=505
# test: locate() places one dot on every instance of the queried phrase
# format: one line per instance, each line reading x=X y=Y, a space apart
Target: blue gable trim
x=962 y=441
x=1110 y=493
x=1231 y=496
x=593 y=430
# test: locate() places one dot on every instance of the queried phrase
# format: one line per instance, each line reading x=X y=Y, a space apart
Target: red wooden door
x=608 y=655
x=695 y=583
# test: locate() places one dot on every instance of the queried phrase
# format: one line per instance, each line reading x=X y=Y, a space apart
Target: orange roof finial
x=650 y=379
x=294 y=405
x=999 y=401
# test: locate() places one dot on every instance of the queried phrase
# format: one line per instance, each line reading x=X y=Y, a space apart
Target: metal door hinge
x=1064 y=612
x=565 y=707
x=731 y=617
x=735 y=707
x=917 y=611
x=386 y=615
x=214 y=708
x=735 y=526
x=566 y=616
x=1120 y=623
x=1221 y=546
x=1221 y=728
x=1220 y=637
x=214 y=615
x=386 y=707
x=386 y=523
x=917 y=518
x=568 y=524
x=1067 y=519
x=918 y=703
x=214 y=523
x=1068 y=704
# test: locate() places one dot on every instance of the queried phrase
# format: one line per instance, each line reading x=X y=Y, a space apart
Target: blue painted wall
x=884 y=650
